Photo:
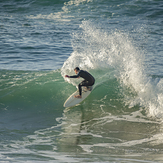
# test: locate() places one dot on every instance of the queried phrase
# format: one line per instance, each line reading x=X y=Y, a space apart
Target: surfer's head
x=77 y=69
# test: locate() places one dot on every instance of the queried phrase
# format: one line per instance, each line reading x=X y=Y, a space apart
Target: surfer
x=88 y=80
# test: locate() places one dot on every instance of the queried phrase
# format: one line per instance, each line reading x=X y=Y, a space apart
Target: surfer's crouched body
x=88 y=79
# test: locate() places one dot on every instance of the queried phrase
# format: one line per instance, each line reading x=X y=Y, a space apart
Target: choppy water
x=119 y=43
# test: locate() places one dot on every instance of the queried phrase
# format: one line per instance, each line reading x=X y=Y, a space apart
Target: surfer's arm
x=74 y=76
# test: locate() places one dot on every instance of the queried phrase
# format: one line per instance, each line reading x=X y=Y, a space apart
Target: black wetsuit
x=89 y=79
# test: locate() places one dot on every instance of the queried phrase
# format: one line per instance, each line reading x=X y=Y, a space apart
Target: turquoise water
x=119 y=43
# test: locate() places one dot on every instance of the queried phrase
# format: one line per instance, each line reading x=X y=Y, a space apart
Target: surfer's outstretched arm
x=74 y=76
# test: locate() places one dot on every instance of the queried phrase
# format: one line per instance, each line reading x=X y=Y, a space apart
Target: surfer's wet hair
x=76 y=68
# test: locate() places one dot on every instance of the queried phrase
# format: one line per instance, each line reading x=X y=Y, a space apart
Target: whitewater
x=119 y=43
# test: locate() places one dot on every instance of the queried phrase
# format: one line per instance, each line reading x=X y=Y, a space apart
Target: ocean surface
x=120 y=42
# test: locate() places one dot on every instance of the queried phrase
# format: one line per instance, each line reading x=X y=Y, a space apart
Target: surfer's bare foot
x=78 y=96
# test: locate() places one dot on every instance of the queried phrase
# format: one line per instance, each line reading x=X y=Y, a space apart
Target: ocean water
x=120 y=42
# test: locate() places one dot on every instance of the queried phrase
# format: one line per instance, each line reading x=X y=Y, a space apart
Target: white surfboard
x=72 y=101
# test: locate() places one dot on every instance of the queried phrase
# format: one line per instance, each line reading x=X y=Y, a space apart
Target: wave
x=32 y=102
x=111 y=57
x=115 y=55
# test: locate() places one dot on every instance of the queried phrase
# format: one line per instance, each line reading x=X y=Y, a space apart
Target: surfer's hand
x=66 y=76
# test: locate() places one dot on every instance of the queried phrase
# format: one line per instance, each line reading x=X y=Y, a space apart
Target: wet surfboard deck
x=72 y=101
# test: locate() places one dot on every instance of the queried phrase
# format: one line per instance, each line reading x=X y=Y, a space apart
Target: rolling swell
x=39 y=90
x=27 y=98
x=32 y=115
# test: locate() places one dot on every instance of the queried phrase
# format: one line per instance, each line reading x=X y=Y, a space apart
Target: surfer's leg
x=80 y=89
x=84 y=83
x=80 y=92
x=80 y=86
x=87 y=84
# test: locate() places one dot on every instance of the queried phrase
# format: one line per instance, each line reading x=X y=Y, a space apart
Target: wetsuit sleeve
x=75 y=76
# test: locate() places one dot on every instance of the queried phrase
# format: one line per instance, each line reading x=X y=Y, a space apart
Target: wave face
x=113 y=55
x=34 y=124
x=119 y=43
